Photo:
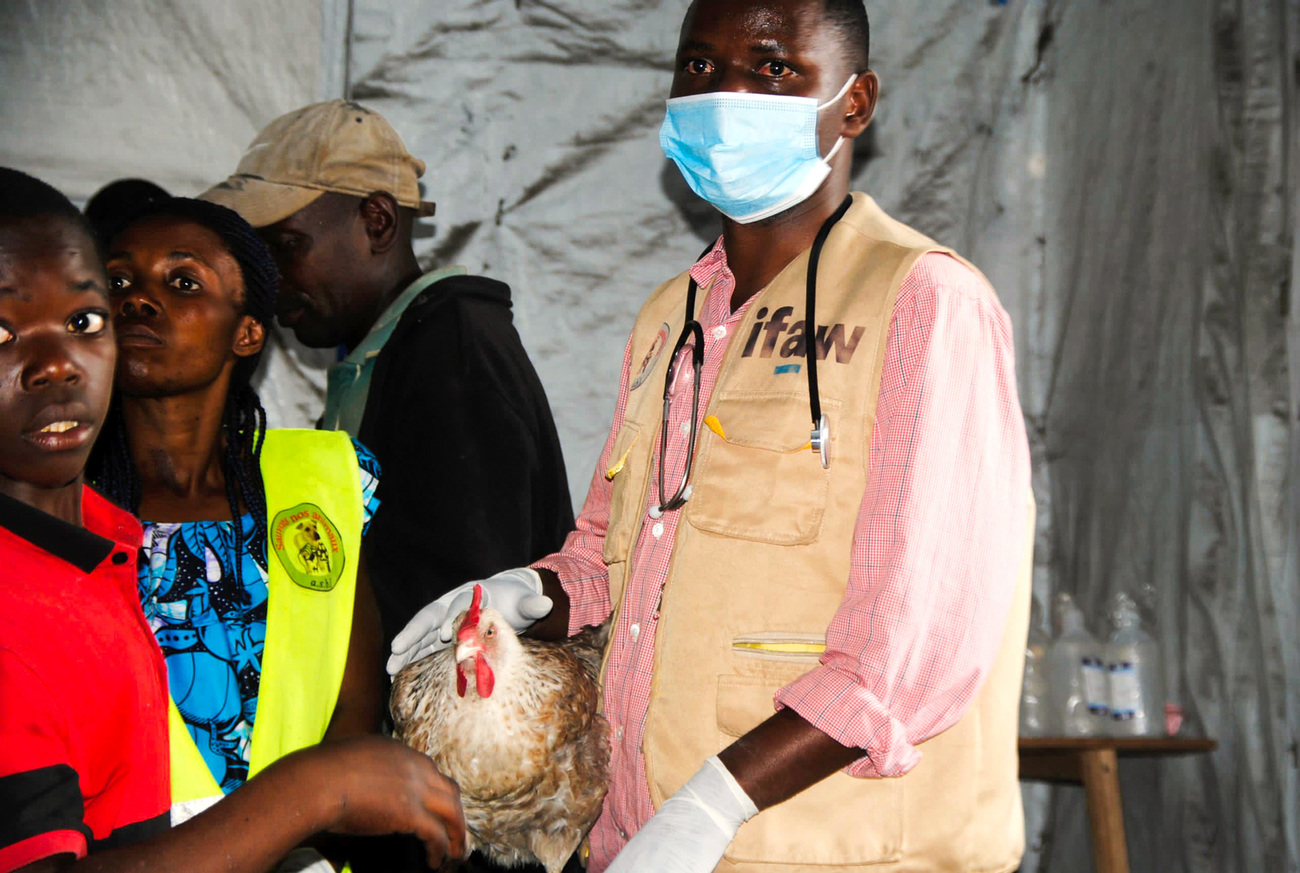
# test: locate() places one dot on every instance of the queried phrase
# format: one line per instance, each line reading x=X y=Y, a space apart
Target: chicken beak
x=467 y=650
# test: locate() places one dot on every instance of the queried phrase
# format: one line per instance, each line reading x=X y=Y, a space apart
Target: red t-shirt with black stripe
x=83 y=699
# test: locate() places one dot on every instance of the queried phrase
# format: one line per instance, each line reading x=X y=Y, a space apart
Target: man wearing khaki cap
x=435 y=382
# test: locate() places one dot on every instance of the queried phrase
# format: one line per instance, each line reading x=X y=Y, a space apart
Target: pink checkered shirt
x=937 y=544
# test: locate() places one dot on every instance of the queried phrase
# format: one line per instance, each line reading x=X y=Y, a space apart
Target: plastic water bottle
x=1077 y=675
x=1035 y=708
x=1136 y=682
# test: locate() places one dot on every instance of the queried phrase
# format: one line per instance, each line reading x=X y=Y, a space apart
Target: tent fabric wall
x=172 y=92
x=1169 y=420
x=1121 y=171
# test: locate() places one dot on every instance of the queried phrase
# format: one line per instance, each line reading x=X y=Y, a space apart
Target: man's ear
x=861 y=106
x=250 y=337
x=379 y=214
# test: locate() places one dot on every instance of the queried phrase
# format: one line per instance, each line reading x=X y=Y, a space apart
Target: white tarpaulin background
x=1123 y=170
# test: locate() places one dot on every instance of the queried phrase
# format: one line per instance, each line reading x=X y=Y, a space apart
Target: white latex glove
x=516 y=594
x=693 y=828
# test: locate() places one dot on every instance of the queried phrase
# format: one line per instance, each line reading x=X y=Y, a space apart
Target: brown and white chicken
x=516 y=722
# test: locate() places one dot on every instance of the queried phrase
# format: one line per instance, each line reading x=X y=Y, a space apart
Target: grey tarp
x=1123 y=170
x=97 y=90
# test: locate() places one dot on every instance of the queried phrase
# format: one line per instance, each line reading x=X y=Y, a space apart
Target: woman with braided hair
x=251 y=578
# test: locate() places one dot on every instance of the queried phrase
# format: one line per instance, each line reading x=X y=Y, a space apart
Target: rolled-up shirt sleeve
x=580 y=563
x=940 y=533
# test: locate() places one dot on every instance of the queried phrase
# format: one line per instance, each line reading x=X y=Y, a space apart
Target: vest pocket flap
x=838 y=822
x=756 y=477
x=775 y=422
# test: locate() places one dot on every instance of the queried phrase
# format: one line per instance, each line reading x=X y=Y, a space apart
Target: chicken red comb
x=475 y=612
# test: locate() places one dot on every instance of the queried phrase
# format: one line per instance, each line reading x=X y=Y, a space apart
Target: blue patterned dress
x=211 y=629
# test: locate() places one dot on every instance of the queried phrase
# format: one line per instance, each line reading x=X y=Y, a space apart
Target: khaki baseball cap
x=336 y=146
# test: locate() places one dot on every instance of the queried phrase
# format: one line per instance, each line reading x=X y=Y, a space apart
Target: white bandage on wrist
x=691 y=831
x=743 y=802
x=719 y=796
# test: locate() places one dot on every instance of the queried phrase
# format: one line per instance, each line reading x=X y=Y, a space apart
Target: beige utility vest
x=763 y=558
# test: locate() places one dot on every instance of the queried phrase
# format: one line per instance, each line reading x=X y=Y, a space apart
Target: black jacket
x=472 y=478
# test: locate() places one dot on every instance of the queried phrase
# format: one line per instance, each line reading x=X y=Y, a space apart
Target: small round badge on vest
x=308 y=546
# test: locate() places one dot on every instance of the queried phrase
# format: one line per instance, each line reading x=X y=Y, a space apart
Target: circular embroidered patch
x=309 y=546
x=651 y=358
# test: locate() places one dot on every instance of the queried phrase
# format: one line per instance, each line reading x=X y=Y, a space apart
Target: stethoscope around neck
x=820 y=439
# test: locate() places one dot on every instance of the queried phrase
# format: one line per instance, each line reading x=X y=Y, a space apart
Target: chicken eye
x=491 y=632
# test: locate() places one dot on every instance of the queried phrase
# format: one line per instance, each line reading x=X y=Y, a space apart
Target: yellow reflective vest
x=314 y=517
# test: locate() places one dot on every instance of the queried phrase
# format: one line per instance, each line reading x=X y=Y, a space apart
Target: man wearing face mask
x=826 y=511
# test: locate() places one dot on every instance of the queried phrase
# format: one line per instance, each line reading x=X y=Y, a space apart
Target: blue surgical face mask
x=750 y=155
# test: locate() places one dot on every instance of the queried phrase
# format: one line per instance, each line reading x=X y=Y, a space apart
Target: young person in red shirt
x=83 y=730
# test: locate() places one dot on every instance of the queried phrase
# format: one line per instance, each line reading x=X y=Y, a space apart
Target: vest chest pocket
x=756 y=477
x=628 y=473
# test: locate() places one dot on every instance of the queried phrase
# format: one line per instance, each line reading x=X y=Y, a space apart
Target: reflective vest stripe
x=307 y=629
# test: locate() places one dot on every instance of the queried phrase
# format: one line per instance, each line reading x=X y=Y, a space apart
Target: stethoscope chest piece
x=821 y=441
